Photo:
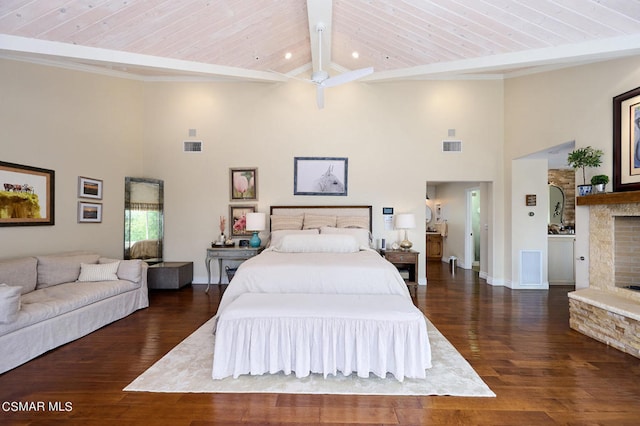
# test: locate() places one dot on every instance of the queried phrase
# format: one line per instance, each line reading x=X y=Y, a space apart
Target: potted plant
x=598 y=182
x=582 y=158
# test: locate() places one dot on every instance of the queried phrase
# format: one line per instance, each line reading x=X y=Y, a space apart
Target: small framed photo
x=89 y=212
x=320 y=176
x=243 y=184
x=89 y=188
x=238 y=221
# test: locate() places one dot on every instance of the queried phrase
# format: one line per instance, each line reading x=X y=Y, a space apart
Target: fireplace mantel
x=609 y=198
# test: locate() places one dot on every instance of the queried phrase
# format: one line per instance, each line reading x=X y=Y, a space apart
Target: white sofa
x=47 y=301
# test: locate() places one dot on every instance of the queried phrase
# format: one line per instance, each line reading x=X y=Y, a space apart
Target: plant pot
x=599 y=188
x=584 y=190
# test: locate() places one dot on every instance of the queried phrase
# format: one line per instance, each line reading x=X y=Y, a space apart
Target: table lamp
x=405 y=221
x=255 y=222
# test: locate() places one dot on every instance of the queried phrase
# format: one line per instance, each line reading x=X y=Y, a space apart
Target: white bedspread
x=323 y=313
x=322 y=333
x=363 y=272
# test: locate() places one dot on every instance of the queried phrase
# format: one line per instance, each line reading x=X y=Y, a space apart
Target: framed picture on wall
x=89 y=212
x=243 y=184
x=89 y=188
x=237 y=220
x=320 y=176
x=626 y=141
x=26 y=195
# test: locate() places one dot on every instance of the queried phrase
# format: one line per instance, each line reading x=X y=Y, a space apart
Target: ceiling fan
x=321 y=77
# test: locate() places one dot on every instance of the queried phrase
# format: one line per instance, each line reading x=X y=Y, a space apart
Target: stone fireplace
x=609 y=310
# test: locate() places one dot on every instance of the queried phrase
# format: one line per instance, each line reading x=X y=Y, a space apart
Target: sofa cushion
x=9 y=303
x=127 y=269
x=46 y=303
x=98 y=272
x=62 y=268
x=21 y=272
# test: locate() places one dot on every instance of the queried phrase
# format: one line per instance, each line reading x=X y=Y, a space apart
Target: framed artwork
x=237 y=220
x=243 y=184
x=26 y=195
x=89 y=212
x=626 y=141
x=89 y=188
x=320 y=176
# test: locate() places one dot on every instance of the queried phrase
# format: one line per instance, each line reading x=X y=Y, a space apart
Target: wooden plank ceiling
x=248 y=39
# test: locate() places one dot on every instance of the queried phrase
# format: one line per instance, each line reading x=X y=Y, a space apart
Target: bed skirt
x=321 y=333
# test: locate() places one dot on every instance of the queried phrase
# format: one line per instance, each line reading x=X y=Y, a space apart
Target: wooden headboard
x=325 y=210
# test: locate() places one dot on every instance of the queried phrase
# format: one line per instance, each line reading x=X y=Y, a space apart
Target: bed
x=320 y=300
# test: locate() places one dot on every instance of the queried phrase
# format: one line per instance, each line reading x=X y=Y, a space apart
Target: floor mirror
x=143 y=219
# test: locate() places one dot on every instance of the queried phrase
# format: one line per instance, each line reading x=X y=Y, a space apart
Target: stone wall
x=618 y=331
x=565 y=179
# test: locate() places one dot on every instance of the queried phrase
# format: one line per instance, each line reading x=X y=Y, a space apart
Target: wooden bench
x=262 y=333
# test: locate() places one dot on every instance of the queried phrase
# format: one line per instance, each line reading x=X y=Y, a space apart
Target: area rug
x=187 y=368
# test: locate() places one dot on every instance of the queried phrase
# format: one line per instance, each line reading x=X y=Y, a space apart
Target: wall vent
x=192 y=146
x=530 y=267
x=451 y=146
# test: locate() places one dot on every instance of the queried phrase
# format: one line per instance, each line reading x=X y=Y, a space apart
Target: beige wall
x=391 y=134
x=82 y=124
x=547 y=109
x=77 y=124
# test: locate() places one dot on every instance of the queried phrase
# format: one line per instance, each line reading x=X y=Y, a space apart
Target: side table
x=229 y=254
x=169 y=275
x=405 y=259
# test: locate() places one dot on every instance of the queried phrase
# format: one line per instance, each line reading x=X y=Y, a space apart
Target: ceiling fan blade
x=320 y=96
x=347 y=77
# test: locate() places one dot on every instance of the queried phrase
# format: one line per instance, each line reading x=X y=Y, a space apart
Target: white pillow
x=130 y=270
x=277 y=236
x=98 y=271
x=362 y=236
x=318 y=244
x=9 y=303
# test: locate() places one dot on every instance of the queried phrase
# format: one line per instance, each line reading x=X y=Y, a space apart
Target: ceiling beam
x=577 y=53
x=320 y=13
x=115 y=59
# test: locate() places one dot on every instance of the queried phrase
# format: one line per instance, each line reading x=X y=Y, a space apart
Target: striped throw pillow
x=315 y=221
x=98 y=272
x=353 y=222
x=285 y=223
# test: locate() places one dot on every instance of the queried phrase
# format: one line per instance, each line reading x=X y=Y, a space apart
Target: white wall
x=529 y=223
x=390 y=132
x=76 y=124
x=547 y=109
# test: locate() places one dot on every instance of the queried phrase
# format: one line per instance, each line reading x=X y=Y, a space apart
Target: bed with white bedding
x=319 y=302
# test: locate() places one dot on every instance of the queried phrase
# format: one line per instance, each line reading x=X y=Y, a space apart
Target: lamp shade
x=405 y=221
x=255 y=221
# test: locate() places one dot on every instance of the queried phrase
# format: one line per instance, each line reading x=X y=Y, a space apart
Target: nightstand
x=230 y=254
x=404 y=259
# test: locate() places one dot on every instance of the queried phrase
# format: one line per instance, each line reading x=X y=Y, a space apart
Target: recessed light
x=355 y=55
x=288 y=55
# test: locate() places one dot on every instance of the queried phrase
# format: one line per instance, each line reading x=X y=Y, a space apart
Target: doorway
x=472 y=230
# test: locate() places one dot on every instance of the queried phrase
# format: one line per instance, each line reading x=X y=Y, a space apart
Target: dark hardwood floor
x=518 y=341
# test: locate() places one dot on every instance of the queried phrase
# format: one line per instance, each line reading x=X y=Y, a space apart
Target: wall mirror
x=556 y=205
x=143 y=219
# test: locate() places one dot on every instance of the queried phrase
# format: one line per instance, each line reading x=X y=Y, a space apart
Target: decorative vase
x=222 y=238
x=584 y=190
